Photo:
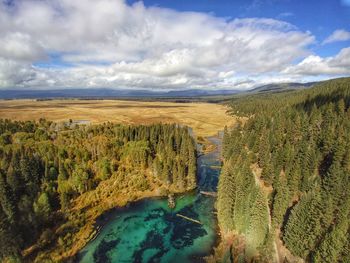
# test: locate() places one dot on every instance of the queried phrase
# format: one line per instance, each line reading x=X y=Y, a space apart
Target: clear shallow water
x=149 y=231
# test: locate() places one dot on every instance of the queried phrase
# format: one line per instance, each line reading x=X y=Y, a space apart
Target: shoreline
x=103 y=219
x=98 y=216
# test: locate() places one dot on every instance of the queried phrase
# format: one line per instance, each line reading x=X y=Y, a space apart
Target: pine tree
x=42 y=207
x=7 y=200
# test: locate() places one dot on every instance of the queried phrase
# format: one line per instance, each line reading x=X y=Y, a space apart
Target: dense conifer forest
x=50 y=176
x=286 y=175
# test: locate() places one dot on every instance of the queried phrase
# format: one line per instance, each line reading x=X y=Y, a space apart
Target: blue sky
x=171 y=44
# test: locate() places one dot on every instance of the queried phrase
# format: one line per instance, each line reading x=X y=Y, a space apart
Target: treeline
x=296 y=145
x=45 y=166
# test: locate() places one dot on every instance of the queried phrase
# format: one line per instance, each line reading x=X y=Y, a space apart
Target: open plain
x=206 y=119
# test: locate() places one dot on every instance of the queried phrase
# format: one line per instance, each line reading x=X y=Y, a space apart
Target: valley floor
x=204 y=118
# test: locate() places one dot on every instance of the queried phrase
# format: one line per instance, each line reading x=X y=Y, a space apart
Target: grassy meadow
x=206 y=119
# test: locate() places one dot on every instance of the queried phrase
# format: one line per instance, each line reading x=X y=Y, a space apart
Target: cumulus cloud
x=20 y=46
x=316 y=65
x=108 y=43
x=337 y=35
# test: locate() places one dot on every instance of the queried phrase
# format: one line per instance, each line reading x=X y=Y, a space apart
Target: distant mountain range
x=108 y=93
x=123 y=93
x=279 y=87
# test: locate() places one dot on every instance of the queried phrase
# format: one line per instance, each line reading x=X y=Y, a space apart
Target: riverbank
x=81 y=226
x=86 y=210
x=205 y=145
x=150 y=229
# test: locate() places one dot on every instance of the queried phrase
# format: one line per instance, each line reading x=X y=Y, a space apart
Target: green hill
x=286 y=175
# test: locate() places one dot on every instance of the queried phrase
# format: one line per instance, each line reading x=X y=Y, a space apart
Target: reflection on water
x=148 y=231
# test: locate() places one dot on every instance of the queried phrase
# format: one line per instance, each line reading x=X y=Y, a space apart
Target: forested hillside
x=286 y=175
x=56 y=179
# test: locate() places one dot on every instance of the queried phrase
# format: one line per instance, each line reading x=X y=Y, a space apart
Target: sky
x=171 y=45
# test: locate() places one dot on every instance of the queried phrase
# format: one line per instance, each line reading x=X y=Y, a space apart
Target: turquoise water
x=149 y=231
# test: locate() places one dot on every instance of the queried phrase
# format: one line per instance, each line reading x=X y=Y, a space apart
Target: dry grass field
x=205 y=118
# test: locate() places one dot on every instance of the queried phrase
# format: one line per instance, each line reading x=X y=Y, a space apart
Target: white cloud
x=111 y=44
x=15 y=74
x=20 y=46
x=316 y=65
x=337 y=35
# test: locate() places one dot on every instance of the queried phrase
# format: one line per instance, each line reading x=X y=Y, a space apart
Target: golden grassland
x=206 y=119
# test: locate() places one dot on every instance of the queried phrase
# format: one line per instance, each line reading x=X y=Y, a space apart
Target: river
x=149 y=231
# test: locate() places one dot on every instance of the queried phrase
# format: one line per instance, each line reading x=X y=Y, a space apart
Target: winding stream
x=149 y=231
